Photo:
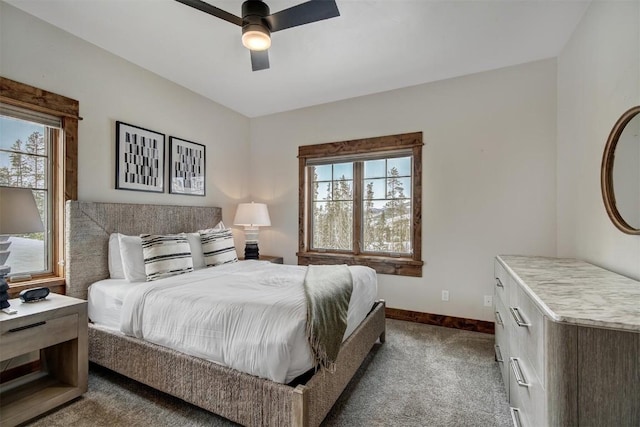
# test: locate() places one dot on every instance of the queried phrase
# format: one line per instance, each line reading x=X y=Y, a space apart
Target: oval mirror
x=620 y=174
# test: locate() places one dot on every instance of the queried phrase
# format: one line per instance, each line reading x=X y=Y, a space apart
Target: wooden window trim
x=65 y=172
x=55 y=284
x=403 y=266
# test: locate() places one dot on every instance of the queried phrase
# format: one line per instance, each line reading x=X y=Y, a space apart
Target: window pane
x=28 y=253
x=343 y=171
x=375 y=189
x=374 y=168
x=387 y=226
x=5 y=176
x=387 y=209
x=332 y=209
x=373 y=226
x=322 y=191
x=401 y=164
x=321 y=173
x=17 y=134
x=332 y=226
x=343 y=190
x=23 y=170
x=398 y=188
x=24 y=147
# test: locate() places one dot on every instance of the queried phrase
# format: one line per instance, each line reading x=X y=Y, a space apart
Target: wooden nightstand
x=57 y=326
x=271 y=259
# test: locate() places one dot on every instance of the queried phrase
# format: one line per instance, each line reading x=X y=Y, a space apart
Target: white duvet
x=249 y=315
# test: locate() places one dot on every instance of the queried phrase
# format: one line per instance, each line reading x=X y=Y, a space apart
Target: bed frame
x=240 y=397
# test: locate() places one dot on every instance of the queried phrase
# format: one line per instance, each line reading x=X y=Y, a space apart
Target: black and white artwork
x=186 y=167
x=139 y=159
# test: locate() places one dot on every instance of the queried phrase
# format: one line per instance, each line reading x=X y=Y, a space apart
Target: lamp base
x=251 y=251
x=4 y=294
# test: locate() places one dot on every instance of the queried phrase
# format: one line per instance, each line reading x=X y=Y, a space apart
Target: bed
x=238 y=396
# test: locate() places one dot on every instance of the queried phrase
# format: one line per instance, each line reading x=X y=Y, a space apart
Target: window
x=38 y=150
x=26 y=161
x=360 y=203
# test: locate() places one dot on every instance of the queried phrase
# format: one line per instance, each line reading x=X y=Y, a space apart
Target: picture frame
x=140 y=155
x=187 y=167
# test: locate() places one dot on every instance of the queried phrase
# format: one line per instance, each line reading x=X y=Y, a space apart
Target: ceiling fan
x=258 y=24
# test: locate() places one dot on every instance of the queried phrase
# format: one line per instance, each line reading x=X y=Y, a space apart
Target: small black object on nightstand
x=33 y=295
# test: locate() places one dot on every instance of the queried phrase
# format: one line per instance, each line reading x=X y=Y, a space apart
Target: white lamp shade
x=252 y=215
x=18 y=211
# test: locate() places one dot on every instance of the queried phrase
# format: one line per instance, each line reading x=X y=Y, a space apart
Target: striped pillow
x=218 y=247
x=166 y=256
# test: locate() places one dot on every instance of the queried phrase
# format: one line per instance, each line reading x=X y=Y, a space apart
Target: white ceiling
x=373 y=46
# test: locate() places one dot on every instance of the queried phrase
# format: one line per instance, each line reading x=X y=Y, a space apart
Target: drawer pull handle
x=517 y=371
x=515 y=417
x=499 y=319
x=499 y=358
x=499 y=283
x=21 y=328
x=515 y=312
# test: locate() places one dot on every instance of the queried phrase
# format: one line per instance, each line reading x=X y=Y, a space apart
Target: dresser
x=567 y=342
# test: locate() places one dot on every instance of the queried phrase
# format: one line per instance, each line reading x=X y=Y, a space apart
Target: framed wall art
x=139 y=159
x=187 y=167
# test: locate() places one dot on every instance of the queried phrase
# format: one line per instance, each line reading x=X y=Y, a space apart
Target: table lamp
x=18 y=215
x=252 y=216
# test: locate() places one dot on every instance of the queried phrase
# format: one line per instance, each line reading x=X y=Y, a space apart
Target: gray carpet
x=422 y=376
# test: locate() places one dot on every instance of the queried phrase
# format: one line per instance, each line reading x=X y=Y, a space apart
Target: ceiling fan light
x=256 y=40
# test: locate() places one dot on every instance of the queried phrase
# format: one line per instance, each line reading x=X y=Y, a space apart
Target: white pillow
x=218 y=247
x=115 y=260
x=219 y=227
x=166 y=255
x=196 y=245
x=196 y=250
x=132 y=258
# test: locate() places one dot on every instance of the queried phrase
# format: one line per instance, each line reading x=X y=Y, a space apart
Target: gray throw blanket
x=328 y=291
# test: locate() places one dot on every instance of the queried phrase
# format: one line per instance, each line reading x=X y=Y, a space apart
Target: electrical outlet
x=488 y=300
x=445 y=295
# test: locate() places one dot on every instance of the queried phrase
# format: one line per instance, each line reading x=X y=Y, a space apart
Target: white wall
x=598 y=79
x=489 y=159
x=109 y=89
x=489 y=179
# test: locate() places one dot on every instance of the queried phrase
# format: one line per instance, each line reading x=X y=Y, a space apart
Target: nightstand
x=271 y=259
x=57 y=327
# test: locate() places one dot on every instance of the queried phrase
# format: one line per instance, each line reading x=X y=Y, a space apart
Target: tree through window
x=25 y=162
x=360 y=203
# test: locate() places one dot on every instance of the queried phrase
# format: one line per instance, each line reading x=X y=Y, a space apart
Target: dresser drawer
x=518 y=414
x=530 y=336
x=502 y=343
x=527 y=393
x=23 y=338
x=501 y=285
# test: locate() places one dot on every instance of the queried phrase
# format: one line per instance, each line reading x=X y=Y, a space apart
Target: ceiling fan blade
x=212 y=10
x=259 y=60
x=304 y=13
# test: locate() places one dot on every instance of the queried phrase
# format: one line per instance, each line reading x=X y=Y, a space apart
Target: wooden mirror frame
x=606 y=173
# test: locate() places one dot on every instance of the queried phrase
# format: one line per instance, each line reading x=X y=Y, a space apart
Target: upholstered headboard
x=89 y=224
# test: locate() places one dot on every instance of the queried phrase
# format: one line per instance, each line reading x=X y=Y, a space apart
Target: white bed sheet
x=105 y=301
x=252 y=319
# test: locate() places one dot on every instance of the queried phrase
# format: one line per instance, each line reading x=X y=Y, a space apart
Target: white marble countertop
x=573 y=291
